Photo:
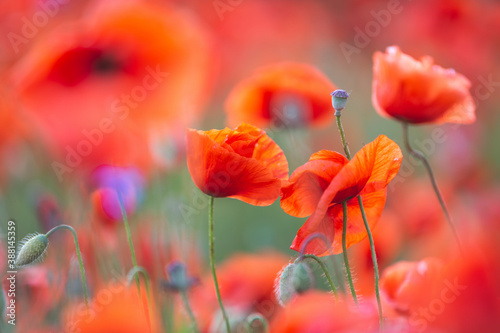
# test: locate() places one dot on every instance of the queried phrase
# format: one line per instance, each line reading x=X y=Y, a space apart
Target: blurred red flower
x=317 y=311
x=459 y=295
x=418 y=91
x=99 y=88
x=246 y=285
x=321 y=185
x=407 y=285
x=122 y=311
x=282 y=95
x=243 y=163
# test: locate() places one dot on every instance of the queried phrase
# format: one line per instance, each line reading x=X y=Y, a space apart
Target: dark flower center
x=77 y=64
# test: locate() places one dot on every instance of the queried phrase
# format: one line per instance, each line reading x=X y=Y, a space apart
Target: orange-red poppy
x=406 y=285
x=120 y=310
x=243 y=163
x=282 y=95
x=418 y=91
x=99 y=88
x=317 y=311
x=246 y=284
x=321 y=185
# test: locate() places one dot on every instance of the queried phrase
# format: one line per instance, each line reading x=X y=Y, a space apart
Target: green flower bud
x=302 y=277
x=294 y=278
x=31 y=249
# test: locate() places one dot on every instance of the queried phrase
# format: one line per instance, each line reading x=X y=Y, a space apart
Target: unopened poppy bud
x=32 y=249
x=302 y=277
x=295 y=278
x=339 y=100
x=177 y=277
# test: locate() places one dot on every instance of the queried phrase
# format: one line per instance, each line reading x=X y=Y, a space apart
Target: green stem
x=130 y=243
x=185 y=300
x=325 y=271
x=367 y=227
x=344 y=252
x=374 y=260
x=337 y=273
x=342 y=136
x=421 y=157
x=79 y=255
x=211 y=241
x=134 y=272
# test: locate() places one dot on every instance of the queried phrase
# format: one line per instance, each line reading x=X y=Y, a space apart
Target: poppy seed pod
x=339 y=100
x=32 y=249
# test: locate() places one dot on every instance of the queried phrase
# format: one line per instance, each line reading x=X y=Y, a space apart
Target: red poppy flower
x=246 y=284
x=99 y=88
x=419 y=91
x=317 y=311
x=321 y=185
x=124 y=311
x=407 y=285
x=243 y=163
x=285 y=94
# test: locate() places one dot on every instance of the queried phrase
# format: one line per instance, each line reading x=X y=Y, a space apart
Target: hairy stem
x=211 y=240
x=79 y=255
x=325 y=271
x=344 y=252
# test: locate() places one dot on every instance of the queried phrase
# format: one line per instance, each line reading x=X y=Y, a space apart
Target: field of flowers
x=249 y=166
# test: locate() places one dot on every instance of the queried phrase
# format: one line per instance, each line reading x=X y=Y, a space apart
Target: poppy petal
x=331 y=225
x=419 y=91
x=267 y=152
x=282 y=94
x=368 y=164
x=301 y=194
x=222 y=173
x=387 y=161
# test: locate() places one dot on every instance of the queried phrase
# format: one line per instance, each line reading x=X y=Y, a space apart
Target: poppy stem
x=367 y=227
x=344 y=252
x=374 y=260
x=338 y=275
x=185 y=300
x=211 y=241
x=342 y=136
x=325 y=271
x=80 y=260
x=130 y=243
x=130 y=276
x=317 y=259
x=420 y=156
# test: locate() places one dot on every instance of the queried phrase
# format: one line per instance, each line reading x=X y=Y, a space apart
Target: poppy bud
x=339 y=100
x=302 y=277
x=32 y=249
x=295 y=278
x=178 y=278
